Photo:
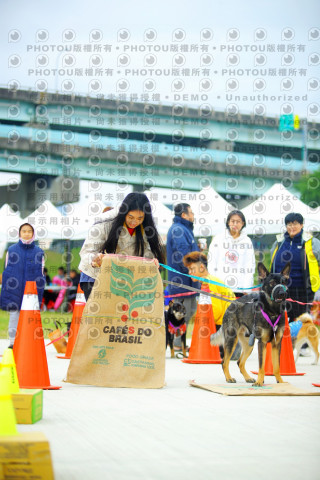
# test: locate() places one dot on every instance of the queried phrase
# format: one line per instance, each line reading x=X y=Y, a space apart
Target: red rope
x=56 y=339
x=296 y=301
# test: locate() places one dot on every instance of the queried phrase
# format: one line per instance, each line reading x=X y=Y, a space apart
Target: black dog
x=257 y=315
x=176 y=325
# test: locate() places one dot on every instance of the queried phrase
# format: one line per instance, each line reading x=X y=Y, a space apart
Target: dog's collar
x=274 y=289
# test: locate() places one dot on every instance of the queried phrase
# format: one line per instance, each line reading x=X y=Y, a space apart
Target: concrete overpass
x=55 y=140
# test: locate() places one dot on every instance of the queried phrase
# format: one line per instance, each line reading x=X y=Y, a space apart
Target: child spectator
x=24 y=262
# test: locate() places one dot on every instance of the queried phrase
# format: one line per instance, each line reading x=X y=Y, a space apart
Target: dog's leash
x=213 y=282
x=197 y=290
x=180 y=355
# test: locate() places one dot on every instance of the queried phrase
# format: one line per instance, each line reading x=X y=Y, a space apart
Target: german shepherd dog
x=257 y=315
x=176 y=325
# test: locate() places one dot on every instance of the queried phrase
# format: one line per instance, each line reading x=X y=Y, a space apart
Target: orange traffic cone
x=28 y=349
x=79 y=305
x=287 y=365
x=200 y=350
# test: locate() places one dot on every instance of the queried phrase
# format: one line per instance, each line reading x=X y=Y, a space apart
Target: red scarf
x=130 y=230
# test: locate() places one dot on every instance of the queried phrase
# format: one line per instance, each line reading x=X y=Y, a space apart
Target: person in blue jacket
x=303 y=251
x=24 y=261
x=180 y=242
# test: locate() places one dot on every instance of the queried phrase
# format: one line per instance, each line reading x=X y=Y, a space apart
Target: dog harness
x=273 y=325
x=173 y=330
x=295 y=328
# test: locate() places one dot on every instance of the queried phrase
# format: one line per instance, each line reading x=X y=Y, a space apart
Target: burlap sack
x=121 y=339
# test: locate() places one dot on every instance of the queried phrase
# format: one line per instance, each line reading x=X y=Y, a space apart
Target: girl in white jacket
x=231 y=256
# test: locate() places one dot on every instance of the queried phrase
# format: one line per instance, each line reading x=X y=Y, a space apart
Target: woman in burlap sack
x=121 y=337
x=129 y=231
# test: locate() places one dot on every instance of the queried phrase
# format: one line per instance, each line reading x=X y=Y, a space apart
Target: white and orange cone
x=79 y=305
x=29 y=349
x=201 y=351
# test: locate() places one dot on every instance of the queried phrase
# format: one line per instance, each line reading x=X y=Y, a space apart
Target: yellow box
x=27 y=471
x=25 y=456
x=28 y=405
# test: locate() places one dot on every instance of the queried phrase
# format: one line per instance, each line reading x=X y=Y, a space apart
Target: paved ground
x=180 y=432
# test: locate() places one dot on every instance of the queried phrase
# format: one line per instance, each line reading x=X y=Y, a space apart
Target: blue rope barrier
x=207 y=280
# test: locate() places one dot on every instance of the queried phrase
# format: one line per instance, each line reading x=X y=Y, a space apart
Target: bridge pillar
x=139 y=188
x=34 y=189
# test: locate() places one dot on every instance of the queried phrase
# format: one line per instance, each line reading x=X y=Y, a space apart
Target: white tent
x=74 y=220
x=47 y=222
x=266 y=214
x=210 y=212
x=162 y=215
x=78 y=218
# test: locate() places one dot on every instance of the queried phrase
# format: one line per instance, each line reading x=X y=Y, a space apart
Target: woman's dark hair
x=240 y=214
x=23 y=225
x=293 y=217
x=135 y=201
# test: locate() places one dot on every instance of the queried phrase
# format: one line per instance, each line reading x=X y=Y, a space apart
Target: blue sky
x=243 y=41
x=234 y=73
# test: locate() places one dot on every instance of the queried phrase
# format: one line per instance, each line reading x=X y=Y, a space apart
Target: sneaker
x=10 y=346
x=305 y=352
